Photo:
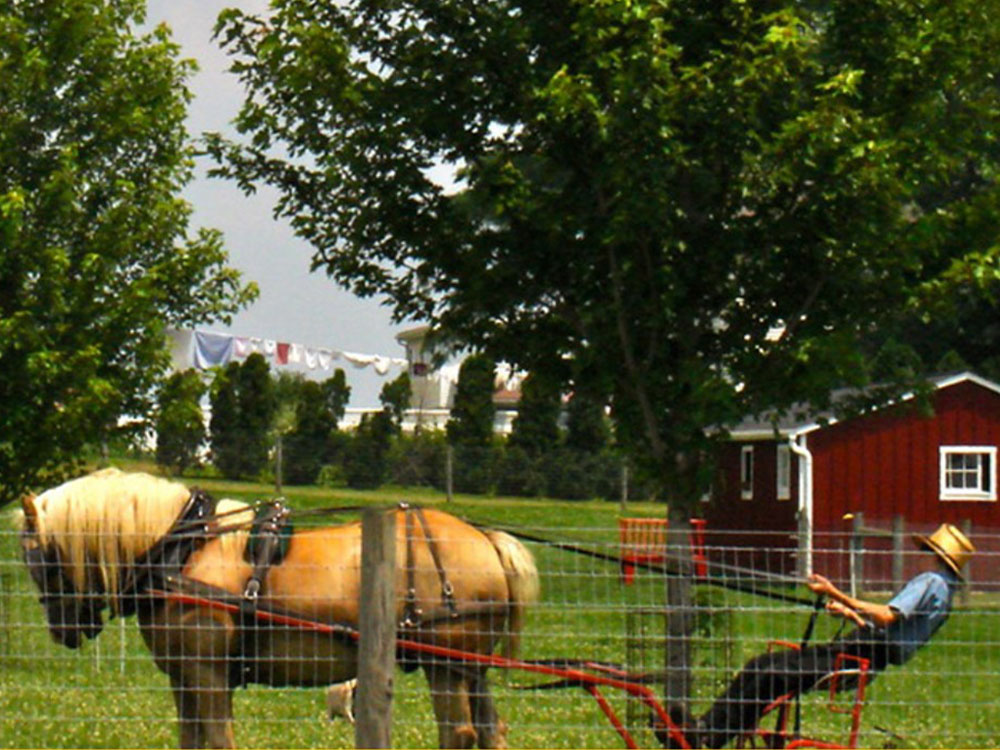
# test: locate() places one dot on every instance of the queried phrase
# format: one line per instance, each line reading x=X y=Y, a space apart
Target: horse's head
x=71 y=614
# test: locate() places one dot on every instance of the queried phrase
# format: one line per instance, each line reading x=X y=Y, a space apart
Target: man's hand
x=820 y=585
x=842 y=610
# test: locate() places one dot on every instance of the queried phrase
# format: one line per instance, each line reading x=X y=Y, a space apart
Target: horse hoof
x=464 y=736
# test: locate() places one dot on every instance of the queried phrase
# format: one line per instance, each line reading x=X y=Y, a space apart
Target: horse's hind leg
x=491 y=731
x=450 y=695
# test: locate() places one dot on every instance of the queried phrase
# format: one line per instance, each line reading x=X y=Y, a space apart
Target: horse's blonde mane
x=108 y=519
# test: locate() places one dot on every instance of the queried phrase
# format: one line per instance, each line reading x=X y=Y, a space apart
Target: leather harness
x=161 y=566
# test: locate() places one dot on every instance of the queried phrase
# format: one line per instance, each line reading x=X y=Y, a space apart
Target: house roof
x=799 y=420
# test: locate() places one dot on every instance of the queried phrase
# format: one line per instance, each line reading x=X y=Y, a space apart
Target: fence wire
x=747 y=600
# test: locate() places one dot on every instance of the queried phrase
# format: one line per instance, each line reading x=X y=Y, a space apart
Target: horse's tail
x=522 y=582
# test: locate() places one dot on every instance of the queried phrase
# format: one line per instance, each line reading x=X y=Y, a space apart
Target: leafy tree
x=963 y=334
x=223 y=427
x=701 y=208
x=96 y=258
x=305 y=447
x=180 y=424
x=470 y=428
x=395 y=397
x=310 y=443
x=536 y=427
x=586 y=425
x=472 y=413
x=243 y=408
x=256 y=405
x=645 y=192
x=366 y=465
x=336 y=395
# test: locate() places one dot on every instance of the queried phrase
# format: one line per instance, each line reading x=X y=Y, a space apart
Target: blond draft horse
x=84 y=539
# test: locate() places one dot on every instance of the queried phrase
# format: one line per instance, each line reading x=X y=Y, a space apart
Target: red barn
x=794 y=493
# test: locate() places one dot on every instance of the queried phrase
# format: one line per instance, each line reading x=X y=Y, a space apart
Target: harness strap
x=447 y=590
x=412 y=614
x=263 y=544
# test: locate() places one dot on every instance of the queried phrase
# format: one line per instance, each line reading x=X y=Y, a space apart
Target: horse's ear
x=30 y=513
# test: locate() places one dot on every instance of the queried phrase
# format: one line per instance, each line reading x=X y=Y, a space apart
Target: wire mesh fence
x=118 y=689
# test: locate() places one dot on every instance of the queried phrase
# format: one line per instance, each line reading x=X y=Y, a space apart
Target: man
x=886 y=634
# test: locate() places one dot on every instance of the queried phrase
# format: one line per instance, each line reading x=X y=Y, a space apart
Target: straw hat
x=950 y=544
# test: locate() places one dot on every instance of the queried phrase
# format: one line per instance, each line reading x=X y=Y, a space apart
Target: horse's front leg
x=191 y=646
x=204 y=707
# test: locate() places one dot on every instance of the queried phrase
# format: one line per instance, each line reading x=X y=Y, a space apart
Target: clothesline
x=205 y=349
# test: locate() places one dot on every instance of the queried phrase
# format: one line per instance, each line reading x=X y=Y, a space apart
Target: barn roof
x=800 y=420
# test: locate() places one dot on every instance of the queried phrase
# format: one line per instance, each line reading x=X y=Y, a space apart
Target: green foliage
x=520 y=475
x=581 y=475
x=336 y=395
x=418 y=459
x=644 y=190
x=366 y=461
x=536 y=427
x=243 y=407
x=96 y=253
x=224 y=429
x=180 y=424
x=395 y=397
x=305 y=449
x=472 y=413
x=587 y=426
x=475 y=468
x=309 y=445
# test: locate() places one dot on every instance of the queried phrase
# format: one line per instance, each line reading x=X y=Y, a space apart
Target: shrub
x=366 y=462
x=419 y=459
x=520 y=475
x=180 y=424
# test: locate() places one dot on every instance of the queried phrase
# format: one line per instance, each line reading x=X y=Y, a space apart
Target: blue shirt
x=922 y=606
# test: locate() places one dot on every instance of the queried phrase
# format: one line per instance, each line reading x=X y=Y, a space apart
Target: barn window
x=784 y=470
x=746 y=472
x=968 y=472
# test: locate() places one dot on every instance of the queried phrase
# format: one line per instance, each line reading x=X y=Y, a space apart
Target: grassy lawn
x=109 y=694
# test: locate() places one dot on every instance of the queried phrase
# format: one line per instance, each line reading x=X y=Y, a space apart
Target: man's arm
x=860 y=611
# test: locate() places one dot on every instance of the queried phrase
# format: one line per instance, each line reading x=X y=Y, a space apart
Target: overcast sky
x=294 y=306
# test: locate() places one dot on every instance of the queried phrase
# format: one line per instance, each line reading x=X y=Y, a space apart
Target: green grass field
x=109 y=693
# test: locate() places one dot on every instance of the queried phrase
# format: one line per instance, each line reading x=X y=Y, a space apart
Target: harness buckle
x=252 y=590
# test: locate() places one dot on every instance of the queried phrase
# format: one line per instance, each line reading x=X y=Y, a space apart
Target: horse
x=108 y=540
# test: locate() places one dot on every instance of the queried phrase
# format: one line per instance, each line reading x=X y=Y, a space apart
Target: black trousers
x=769 y=676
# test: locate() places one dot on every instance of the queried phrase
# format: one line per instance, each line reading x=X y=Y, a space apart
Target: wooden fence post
x=449 y=471
x=857 y=546
x=967 y=573
x=623 y=501
x=898 y=551
x=377 y=625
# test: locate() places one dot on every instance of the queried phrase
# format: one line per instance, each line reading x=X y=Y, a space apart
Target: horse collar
x=168 y=555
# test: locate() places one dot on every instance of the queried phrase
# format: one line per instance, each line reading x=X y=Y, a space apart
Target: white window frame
x=783 y=472
x=746 y=472
x=975 y=493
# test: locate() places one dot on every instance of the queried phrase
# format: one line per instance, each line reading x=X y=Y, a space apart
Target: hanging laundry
x=242 y=347
x=212 y=349
x=295 y=354
x=281 y=353
x=359 y=360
